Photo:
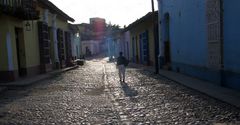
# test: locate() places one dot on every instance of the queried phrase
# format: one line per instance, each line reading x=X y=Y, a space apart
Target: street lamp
x=28 y=26
x=152 y=5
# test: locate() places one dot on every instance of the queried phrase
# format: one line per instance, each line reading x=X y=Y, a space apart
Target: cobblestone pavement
x=92 y=94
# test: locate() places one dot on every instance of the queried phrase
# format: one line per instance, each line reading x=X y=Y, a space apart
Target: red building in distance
x=98 y=27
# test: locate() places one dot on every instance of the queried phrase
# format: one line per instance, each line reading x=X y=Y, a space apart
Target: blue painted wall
x=188 y=37
x=232 y=43
x=187 y=31
x=133 y=50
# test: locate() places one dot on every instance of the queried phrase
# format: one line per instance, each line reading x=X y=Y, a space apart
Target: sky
x=119 y=12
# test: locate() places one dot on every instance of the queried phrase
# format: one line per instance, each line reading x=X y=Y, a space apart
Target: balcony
x=22 y=9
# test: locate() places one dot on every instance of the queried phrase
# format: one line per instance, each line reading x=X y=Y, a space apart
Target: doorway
x=167 y=45
x=21 y=55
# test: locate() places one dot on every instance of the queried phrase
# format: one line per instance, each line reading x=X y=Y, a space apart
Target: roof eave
x=56 y=9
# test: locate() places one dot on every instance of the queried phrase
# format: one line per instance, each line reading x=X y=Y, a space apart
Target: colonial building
x=15 y=19
x=142 y=40
x=90 y=47
x=113 y=41
x=98 y=28
x=94 y=33
x=75 y=41
x=199 y=39
x=125 y=43
x=54 y=37
x=34 y=37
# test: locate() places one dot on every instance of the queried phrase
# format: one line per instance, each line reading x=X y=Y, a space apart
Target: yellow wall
x=62 y=24
x=3 y=46
x=32 y=45
x=8 y=24
x=136 y=31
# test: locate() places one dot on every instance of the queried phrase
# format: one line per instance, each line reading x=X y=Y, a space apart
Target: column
x=55 y=41
x=45 y=16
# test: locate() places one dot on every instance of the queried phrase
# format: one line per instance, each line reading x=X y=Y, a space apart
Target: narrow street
x=92 y=94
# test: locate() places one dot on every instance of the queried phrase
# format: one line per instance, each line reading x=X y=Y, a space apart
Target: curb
x=30 y=81
x=223 y=94
x=63 y=70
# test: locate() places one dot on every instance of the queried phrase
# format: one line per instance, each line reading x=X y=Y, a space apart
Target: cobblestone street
x=92 y=94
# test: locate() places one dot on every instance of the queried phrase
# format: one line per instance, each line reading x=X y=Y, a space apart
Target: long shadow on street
x=129 y=92
x=15 y=93
x=179 y=88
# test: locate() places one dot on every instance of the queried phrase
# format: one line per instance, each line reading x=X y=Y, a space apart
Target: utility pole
x=155 y=39
x=152 y=5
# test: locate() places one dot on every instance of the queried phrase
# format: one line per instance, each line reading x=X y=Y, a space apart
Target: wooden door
x=21 y=55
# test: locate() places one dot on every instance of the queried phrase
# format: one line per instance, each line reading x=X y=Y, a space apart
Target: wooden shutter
x=44 y=45
x=68 y=48
x=60 y=47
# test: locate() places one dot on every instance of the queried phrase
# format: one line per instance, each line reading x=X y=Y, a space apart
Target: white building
x=90 y=47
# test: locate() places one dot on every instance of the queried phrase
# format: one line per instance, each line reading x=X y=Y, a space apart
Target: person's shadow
x=129 y=92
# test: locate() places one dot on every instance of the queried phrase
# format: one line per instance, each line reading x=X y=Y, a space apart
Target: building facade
x=231 y=38
x=33 y=45
x=142 y=40
x=90 y=47
x=13 y=45
x=75 y=41
x=93 y=31
x=203 y=46
x=98 y=28
x=125 y=43
x=113 y=41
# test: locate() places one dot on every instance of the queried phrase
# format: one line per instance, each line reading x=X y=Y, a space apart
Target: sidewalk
x=221 y=93
x=28 y=81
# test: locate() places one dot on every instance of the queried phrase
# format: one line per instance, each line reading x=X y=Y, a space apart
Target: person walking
x=122 y=62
